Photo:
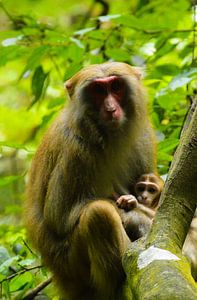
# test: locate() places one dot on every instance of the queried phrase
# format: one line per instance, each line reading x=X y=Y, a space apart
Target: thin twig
x=19 y=273
x=33 y=292
x=30 y=250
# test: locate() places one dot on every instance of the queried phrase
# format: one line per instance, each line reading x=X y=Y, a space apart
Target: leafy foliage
x=39 y=51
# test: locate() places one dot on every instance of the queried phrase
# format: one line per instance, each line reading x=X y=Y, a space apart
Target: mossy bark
x=169 y=277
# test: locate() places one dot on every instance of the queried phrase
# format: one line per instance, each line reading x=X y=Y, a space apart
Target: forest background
x=45 y=42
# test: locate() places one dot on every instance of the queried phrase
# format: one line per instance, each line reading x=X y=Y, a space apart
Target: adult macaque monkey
x=101 y=140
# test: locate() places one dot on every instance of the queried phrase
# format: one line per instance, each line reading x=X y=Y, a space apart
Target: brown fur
x=80 y=162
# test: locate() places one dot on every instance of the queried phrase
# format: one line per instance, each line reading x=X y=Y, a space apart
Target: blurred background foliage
x=42 y=44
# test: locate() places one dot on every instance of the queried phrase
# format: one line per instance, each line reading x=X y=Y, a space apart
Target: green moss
x=160 y=279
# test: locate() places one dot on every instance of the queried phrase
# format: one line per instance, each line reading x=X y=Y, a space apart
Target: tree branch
x=19 y=273
x=158 y=257
x=33 y=292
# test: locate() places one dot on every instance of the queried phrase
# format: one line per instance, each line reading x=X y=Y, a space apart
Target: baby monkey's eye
x=152 y=190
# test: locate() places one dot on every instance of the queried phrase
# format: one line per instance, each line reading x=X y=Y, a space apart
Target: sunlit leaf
x=168 y=145
x=36 y=56
x=4 y=266
x=164 y=156
x=4 y=255
x=13 y=145
x=27 y=262
x=108 y=18
x=19 y=282
x=7 y=34
x=118 y=54
x=179 y=81
x=183 y=79
x=8 y=179
x=75 y=53
x=130 y=21
x=38 y=81
x=77 y=42
x=10 y=53
x=71 y=70
x=84 y=31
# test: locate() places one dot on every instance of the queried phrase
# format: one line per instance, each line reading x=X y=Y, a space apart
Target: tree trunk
x=154 y=265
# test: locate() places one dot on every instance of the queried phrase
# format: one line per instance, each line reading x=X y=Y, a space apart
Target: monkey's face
x=107 y=94
x=147 y=193
x=110 y=93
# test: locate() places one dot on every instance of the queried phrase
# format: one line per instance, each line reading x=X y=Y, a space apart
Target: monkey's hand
x=127 y=202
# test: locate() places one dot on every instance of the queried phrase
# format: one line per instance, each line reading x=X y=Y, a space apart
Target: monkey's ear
x=139 y=72
x=68 y=85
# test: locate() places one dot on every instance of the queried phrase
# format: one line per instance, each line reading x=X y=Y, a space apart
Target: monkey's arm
x=129 y=202
x=51 y=190
x=146 y=210
x=66 y=195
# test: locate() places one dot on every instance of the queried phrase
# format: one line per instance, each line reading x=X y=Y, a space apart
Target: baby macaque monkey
x=138 y=212
x=148 y=190
x=147 y=193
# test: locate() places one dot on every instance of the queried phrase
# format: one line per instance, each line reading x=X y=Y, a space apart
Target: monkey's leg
x=102 y=230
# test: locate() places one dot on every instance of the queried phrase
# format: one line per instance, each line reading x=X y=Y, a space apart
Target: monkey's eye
x=99 y=89
x=116 y=85
x=141 y=189
x=152 y=190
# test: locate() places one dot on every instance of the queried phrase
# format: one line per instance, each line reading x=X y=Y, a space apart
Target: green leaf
x=10 y=53
x=168 y=145
x=56 y=102
x=8 y=34
x=19 y=282
x=118 y=54
x=130 y=21
x=71 y=70
x=164 y=156
x=84 y=31
x=75 y=53
x=178 y=82
x=8 y=179
x=4 y=255
x=27 y=262
x=38 y=81
x=97 y=34
x=77 y=42
x=107 y=18
x=7 y=263
x=56 y=38
x=36 y=57
x=165 y=69
x=13 y=145
x=183 y=79
x=169 y=100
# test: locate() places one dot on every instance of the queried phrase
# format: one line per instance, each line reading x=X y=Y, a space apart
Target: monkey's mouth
x=114 y=117
x=141 y=200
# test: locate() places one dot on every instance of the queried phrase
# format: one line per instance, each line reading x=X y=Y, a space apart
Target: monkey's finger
x=132 y=203
x=126 y=198
x=121 y=203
